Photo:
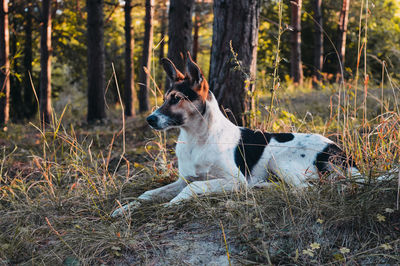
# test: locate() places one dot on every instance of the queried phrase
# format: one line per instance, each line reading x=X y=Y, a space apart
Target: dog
x=215 y=155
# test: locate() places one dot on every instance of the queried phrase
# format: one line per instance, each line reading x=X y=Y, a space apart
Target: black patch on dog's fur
x=283 y=137
x=186 y=89
x=332 y=154
x=250 y=148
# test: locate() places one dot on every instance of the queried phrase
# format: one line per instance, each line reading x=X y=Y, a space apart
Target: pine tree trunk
x=195 y=48
x=144 y=79
x=341 y=46
x=96 y=58
x=227 y=82
x=5 y=66
x=179 y=32
x=30 y=104
x=296 y=66
x=130 y=93
x=45 y=63
x=16 y=100
x=318 y=43
x=163 y=28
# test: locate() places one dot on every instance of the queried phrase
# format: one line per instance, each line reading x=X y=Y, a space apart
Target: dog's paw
x=126 y=209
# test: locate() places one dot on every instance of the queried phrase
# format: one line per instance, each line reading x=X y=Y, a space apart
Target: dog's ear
x=193 y=70
x=172 y=72
x=195 y=75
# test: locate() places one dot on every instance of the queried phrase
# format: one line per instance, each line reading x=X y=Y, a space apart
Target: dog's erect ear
x=193 y=70
x=194 y=73
x=172 y=72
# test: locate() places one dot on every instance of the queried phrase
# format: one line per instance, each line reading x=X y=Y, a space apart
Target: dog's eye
x=175 y=99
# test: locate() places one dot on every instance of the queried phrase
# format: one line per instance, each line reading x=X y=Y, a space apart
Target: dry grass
x=58 y=187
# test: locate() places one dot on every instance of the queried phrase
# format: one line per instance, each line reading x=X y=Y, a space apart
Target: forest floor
x=59 y=186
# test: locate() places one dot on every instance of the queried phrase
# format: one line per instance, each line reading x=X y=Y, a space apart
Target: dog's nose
x=152 y=120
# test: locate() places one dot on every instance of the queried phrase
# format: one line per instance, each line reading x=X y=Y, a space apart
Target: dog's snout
x=152 y=120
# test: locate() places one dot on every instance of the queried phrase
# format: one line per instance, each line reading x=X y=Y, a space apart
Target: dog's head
x=186 y=98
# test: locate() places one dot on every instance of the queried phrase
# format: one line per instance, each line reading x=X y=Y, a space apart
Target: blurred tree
x=195 y=48
x=130 y=92
x=30 y=104
x=163 y=27
x=234 y=54
x=45 y=63
x=318 y=42
x=341 y=41
x=296 y=66
x=96 y=56
x=5 y=65
x=179 y=32
x=144 y=79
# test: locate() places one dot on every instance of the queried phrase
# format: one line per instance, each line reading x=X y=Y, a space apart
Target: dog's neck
x=211 y=122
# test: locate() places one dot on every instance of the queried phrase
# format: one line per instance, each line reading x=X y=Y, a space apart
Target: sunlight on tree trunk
x=5 y=66
x=45 y=63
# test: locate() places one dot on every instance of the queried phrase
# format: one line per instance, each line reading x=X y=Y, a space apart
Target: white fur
x=206 y=161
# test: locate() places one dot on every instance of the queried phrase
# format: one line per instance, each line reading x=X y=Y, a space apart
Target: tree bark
x=96 y=57
x=45 y=63
x=195 y=48
x=179 y=32
x=342 y=30
x=296 y=66
x=163 y=28
x=318 y=43
x=30 y=104
x=235 y=21
x=5 y=66
x=130 y=93
x=144 y=79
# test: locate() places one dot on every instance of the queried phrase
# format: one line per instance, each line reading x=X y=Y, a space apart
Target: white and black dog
x=215 y=155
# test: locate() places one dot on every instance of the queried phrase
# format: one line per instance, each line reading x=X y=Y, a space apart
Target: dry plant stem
x=359 y=49
x=123 y=119
x=366 y=78
x=275 y=82
x=226 y=244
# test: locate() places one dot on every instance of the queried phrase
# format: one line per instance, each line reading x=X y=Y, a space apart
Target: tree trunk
x=30 y=104
x=130 y=93
x=163 y=28
x=318 y=43
x=16 y=100
x=179 y=32
x=195 y=48
x=296 y=66
x=144 y=79
x=5 y=66
x=45 y=63
x=343 y=21
x=96 y=57
x=230 y=84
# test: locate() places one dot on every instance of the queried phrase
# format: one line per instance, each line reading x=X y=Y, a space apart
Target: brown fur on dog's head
x=185 y=99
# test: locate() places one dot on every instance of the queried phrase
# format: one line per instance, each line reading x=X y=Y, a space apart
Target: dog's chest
x=209 y=158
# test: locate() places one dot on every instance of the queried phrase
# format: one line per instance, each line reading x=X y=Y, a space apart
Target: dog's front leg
x=204 y=187
x=163 y=193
